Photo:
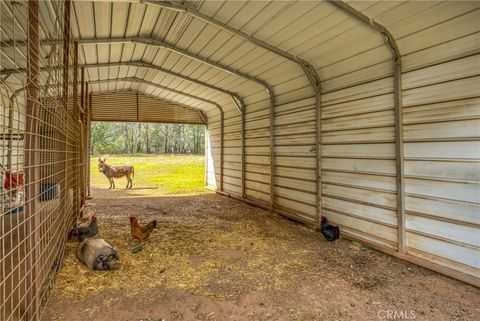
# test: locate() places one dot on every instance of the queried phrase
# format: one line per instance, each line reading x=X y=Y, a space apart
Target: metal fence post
x=30 y=152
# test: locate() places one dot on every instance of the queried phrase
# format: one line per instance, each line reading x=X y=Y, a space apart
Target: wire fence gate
x=44 y=124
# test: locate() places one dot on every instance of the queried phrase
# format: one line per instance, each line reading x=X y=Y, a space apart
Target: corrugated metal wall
x=441 y=124
x=134 y=106
x=358 y=166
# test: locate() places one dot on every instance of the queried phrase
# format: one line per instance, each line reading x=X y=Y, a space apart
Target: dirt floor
x=215 y=258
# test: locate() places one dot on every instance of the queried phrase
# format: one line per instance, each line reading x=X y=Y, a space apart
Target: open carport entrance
x=158 y=159
x=161 y=143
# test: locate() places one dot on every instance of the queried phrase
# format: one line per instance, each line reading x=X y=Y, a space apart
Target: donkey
x=116 y=171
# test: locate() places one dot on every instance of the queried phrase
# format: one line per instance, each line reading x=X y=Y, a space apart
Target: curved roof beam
x=156 y=42
x=141 y=64
x=146 y=82
x=209 y=20
x=397 y=83
x=389 y=39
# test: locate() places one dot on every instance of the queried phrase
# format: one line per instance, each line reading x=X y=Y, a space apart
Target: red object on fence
x=13 y=180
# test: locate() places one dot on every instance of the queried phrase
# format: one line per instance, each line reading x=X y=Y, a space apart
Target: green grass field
x=154 y=175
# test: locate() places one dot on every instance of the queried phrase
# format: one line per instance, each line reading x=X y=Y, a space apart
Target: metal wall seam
x=397 y=78
x=209 y=20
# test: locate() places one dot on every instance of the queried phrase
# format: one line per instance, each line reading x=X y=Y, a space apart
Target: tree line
x=146 y=138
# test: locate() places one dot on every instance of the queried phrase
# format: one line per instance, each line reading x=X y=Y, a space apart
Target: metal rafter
x=308 y=73
x=141 y=64
x=140 y=80
x=397 y=79
x=156 y=42
x=312 y=75
x=209 y=20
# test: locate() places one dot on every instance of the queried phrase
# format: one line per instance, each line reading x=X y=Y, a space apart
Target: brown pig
x=98 y=254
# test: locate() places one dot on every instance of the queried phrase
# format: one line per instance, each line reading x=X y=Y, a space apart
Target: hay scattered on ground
x=189 y=250
x=214 y=258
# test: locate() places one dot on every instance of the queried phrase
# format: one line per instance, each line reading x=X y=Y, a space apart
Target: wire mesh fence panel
x=40 y=151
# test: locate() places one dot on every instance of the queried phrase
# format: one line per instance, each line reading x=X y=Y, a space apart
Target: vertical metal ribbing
x=241 y=109
x=75 y=72
x=76 y=202
x=397 y=83
x=65 y=65
x=87 y=143
x=272 y=149
x=137 y=107
x=314 y=80
x=89 y=125
x=397 y=75
x=318 y=165
x=66 y=50
x=30 y=147
x=82 y=88
x=83 y=142
x=242 y=129
x=207 y=143
x=221 y=146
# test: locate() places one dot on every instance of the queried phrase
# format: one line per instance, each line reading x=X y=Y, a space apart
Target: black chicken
x=330 y=232
x=88 y=231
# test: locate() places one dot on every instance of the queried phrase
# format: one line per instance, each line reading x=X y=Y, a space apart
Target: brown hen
x=141 y=232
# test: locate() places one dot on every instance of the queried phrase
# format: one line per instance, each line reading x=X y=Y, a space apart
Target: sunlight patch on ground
x=154 y=175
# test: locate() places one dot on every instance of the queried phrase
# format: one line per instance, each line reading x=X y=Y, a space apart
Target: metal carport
x=366 y=112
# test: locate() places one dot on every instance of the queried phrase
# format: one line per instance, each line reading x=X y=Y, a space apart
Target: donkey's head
x=101 y=165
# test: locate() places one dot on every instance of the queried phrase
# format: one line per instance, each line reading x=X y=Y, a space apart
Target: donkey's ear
x=99 y=159
x=104 y=160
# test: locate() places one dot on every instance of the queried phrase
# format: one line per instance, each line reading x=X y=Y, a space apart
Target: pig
x=97 y=254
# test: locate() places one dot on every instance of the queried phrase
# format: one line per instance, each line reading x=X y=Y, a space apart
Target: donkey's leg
x=113 y=181
x=110 y=181
x=128 y=181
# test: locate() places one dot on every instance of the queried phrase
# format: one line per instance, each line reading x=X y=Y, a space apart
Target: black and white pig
x=97 y=254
